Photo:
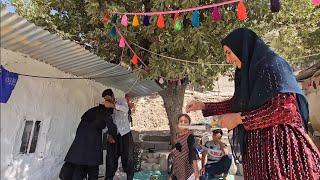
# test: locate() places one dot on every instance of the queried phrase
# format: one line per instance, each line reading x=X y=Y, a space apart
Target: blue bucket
x=147 y=175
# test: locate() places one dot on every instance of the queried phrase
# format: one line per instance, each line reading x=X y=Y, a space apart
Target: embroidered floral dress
x=278 y=148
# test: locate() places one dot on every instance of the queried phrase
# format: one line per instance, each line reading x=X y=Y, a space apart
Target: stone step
x=155 y=145
x=155 y=138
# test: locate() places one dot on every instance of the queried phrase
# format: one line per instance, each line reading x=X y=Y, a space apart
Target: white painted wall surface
x=59 y=104
x=314 y=109
x=313 y=95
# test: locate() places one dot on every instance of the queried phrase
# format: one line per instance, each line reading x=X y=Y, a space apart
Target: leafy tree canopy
x=292 y=32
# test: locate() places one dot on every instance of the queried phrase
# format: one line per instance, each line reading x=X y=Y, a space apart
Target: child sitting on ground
x=216 y=160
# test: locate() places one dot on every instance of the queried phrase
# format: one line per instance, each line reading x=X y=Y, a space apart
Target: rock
x=160 y=153
x=144 y=156
x=146 y=166
x=156 y=155
x=156 y=167
x=163 y=162
x=152 y=160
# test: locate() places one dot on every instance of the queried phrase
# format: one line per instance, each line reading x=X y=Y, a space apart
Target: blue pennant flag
x=113 y=32
x=8 y=82
x=195 y=21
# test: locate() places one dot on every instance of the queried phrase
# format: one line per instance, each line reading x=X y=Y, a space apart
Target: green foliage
x=292 y=32
x=296 y=31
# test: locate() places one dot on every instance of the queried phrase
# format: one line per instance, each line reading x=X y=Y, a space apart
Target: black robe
x=86 y=148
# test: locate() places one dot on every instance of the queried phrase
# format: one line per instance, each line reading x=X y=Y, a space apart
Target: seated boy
x=215 y=159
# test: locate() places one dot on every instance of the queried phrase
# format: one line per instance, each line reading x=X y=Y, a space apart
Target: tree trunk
x=173 y=98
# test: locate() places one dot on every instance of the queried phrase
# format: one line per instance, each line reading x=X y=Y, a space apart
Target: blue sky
x=9 y=5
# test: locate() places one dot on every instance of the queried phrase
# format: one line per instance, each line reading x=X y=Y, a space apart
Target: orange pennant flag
x=160 y=22
x=135 y=21
x=105 y=18
x=134 y=59
x=242 y=11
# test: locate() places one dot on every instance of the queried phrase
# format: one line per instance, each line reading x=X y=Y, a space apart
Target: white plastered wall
x=58 y=104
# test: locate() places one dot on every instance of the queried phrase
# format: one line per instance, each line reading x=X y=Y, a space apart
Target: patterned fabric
x=217 y=108
x=280 y=109
x=182 y=169
x=215 y=154
x=277 y=144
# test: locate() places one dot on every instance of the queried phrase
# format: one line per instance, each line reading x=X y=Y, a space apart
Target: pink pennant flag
x=161 y=81
x=316 y=2
x=179 y=82
x=122 y=42
x=216 y=14
x=124 y=20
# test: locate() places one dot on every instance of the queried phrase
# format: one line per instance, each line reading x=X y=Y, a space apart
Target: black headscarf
x=263 y=75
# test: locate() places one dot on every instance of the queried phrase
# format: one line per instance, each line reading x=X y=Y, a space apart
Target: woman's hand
x=194 y=106
x=230 y=120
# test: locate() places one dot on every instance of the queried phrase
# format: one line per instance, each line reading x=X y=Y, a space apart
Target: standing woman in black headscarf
x=268 y=113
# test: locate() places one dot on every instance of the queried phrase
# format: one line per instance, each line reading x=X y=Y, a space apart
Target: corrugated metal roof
x=19 y=35
x=312 y=71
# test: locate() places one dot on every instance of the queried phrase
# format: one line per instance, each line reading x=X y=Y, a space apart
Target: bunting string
x=132 y=86
x=177 y=11
x=178 y=22
x=302 y=57
x=104 y=71
x=164 y=83
x=125 y=41
x=52 y=77
x=176 y=79
x=177 y=59
x=209 y=64
x=241 y=13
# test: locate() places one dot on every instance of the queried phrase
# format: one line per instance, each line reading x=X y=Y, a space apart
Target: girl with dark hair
x=268 y=113
x=184 y=154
